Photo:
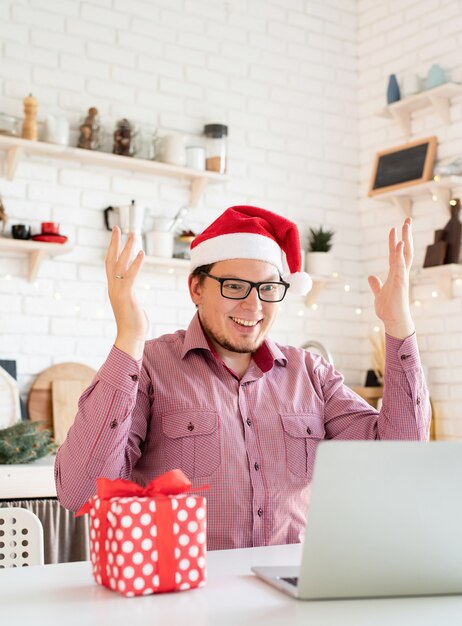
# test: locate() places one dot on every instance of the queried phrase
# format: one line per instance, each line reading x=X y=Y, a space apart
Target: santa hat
x=248 y=232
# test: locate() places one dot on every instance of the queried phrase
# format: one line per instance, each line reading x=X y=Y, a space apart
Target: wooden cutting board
x=65 y=396
x=39 y=403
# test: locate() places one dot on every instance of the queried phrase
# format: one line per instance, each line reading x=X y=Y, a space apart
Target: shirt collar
x=266 y=355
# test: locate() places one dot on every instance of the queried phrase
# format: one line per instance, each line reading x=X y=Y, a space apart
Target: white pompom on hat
x=248 y=232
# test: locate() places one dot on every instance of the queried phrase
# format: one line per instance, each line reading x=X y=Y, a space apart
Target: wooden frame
x=403 y=166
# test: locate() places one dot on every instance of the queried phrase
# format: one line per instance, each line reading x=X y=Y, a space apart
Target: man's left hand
x=392 y=297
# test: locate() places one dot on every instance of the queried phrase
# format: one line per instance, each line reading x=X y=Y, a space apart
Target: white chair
x=21 y=538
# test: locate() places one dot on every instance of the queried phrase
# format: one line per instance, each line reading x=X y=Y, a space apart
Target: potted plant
x=318 y=258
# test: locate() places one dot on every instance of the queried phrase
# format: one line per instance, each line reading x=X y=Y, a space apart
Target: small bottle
x=29 y=126
x=216 y=148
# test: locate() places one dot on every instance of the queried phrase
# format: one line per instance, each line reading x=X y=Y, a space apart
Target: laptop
x=385 y=519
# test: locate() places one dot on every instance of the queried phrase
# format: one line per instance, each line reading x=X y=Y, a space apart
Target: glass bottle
x=216 y=148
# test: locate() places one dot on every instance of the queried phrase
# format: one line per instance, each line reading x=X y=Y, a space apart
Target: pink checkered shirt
x=252 y=440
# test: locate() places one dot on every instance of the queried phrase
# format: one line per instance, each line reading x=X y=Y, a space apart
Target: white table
x=66 y=594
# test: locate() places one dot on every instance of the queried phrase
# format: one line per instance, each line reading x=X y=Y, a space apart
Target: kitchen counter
x=28 y=480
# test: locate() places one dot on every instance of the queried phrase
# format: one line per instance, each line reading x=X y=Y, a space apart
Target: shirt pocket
x=302 y=434
x=192 y=442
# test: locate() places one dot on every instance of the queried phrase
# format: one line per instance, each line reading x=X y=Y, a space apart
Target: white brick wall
x=407 y=38
x=282 y=74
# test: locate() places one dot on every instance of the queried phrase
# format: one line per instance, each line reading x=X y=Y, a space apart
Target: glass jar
x=90 y=131
x=9 y=125
x=216 y=148
x=124 y=138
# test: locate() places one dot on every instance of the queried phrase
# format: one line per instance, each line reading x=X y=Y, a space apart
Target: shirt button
x=260 y=512
x=403 y=357
x=134 y=377
x=418 y=401
x=114 y=424
x=249 y=421
x=257 y=467
x=190 y=426
x=308 y=430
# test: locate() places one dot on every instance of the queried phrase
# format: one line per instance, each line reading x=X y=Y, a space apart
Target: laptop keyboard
x=292 y=580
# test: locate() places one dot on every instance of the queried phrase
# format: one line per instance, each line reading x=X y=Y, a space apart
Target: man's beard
x=227 y=345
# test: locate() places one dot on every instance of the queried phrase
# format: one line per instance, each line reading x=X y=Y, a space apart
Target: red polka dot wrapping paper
x=145 y=545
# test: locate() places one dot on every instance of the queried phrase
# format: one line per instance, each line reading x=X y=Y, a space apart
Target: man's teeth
x=244 y=322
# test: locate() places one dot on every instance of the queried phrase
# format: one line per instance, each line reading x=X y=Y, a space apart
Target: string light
x=77 y=308
x=458 y=281
x=7 y=276
x=417 y=303
x=358 y=311
x=314 y=306
x=434 y=294
x=57 y=295
x=301 y=313
x=376 y=329
x=347 y=288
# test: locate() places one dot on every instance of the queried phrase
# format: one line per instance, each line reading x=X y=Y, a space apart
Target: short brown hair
x=202 y=268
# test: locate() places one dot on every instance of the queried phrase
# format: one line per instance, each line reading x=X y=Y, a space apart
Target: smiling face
x=235 y=326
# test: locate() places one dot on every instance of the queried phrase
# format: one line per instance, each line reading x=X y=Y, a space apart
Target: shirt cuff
x=121 y=371
x=402 y=354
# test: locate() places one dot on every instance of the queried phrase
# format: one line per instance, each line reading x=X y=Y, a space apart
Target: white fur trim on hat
x=300 y=283
x=237 y=246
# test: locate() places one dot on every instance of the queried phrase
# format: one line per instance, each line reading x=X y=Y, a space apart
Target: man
x=223 y=402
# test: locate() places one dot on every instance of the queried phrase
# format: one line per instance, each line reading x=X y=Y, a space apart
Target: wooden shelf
x=439 y=188
x=15 y=148
x=437 y=99
x=35 y=250
x=170 y=265
x=443 y=276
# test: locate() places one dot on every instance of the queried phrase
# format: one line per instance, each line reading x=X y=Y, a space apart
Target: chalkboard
x=403 y=166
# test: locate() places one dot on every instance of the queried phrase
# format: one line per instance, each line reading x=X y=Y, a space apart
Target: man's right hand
x=131 y=319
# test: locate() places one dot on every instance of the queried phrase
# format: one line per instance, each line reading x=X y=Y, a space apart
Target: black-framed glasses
x=237 y=289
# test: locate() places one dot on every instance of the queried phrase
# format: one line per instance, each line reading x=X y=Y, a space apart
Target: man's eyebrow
x=267 y=280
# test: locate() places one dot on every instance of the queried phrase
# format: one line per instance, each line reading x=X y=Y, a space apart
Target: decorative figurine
x=446 y=248
x=453 y=233
x=436 y=251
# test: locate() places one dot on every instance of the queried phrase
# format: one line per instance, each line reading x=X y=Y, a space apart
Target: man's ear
x=195 y=288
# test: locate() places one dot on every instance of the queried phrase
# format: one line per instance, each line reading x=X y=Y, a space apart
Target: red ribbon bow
x=169 y=484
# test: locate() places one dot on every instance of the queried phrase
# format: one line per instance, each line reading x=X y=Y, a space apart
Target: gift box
x=149 y=539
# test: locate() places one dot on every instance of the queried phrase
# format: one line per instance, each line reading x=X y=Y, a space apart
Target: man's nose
x=252 y=301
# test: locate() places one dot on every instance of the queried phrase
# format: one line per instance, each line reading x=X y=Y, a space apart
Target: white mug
x=159 y=243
